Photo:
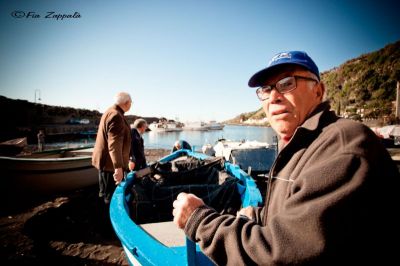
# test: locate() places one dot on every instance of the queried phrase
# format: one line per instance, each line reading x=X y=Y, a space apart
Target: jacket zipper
x=269 y=190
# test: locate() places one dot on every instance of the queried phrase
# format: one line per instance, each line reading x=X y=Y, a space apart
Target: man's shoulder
x=344 y=125
x=134 y=131
x=112 y=110
x=351 y=135
x=112 y=114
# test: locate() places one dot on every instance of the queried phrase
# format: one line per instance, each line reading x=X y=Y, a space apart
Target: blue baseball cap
x=284 y=58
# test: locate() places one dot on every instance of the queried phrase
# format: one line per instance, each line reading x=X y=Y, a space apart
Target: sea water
x=197 y=139
x=166 y=140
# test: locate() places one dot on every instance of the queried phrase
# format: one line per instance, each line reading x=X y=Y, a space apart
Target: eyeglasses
x=282 y=86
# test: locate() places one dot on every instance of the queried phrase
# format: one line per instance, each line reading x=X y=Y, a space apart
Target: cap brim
x=258 y=79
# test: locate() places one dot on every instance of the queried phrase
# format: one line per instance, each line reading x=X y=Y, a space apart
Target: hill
x=363 y=87
x=21 y=118
x=251 y=118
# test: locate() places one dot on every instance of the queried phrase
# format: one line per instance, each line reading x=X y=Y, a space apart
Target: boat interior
x=152 y=195
x=60 y=153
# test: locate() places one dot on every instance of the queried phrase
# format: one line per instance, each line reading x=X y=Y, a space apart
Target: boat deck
x=166 y=232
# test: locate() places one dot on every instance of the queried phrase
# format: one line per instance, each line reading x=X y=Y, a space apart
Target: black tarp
x=153 y=195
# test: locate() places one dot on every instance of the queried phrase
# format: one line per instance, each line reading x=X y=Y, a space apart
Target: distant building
x=256 y=121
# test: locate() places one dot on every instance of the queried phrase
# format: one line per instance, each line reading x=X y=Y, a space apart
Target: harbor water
x=165 y=140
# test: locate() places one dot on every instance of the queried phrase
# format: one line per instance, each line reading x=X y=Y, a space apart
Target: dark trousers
x=106 y=186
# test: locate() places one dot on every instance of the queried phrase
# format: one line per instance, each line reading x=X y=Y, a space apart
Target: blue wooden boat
x=163 y=243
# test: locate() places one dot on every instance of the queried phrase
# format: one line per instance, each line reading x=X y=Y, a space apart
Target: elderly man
x=331 y=191
x=113 y=142
x=181 y=144
x=137 y=158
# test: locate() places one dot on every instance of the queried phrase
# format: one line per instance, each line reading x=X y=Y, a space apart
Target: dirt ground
x=69 y=229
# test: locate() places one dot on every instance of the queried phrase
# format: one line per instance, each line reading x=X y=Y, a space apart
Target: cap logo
x=280 y=56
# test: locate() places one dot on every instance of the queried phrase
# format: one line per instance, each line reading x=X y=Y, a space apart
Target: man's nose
x=275 y=95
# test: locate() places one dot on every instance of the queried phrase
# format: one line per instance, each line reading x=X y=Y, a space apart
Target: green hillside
x=363 y=87
x=366 y=83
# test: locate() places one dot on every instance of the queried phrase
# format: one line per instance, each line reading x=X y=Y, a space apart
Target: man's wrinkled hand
x=118 y=175
x=247 y=212
x=184 y=206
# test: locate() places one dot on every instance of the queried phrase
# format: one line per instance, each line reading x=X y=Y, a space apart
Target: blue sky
x=178 y=59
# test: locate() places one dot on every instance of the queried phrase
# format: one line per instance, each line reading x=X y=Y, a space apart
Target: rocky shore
x=63 y=230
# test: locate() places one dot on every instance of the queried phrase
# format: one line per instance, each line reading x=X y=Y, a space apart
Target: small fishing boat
x=141 y=206
x=389 y=135
x=214 y=125
x=46 y=173
x=195 y=126
x=13 y=146
x=252 y=156
x=165 y=126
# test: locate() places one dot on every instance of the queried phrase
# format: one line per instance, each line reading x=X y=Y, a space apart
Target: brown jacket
x=331 y=201
x=113 y=141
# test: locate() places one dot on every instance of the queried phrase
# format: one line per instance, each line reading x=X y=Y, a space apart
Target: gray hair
x=122 y=98
x=140 y=122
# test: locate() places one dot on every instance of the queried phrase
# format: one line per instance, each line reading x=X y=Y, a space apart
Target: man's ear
x=320 y=90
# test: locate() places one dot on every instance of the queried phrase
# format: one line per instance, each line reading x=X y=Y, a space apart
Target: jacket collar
x=137 y=132
x=313 y=120
x=311 y=123
x=119 y=109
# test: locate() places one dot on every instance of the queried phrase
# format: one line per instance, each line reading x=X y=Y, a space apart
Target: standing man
x=113 y=142
x=137 y=158
x=40 y=137
x=331 y=197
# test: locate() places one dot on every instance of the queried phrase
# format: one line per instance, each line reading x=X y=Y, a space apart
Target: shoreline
x=65 y=229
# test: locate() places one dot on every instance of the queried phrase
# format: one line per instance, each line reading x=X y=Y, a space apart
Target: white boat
x=165 y=127
x=214 y=125
x=254 y=157
x=251 y=156
x=195 y=126
x=390 y=135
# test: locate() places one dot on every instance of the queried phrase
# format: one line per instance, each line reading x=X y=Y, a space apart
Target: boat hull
x=13 y=147
x=48 y=176
x=26 y=178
